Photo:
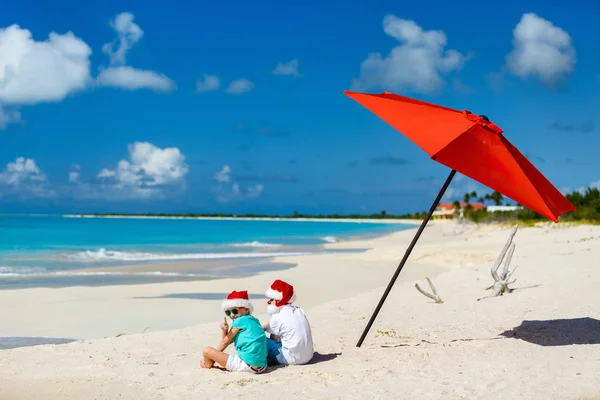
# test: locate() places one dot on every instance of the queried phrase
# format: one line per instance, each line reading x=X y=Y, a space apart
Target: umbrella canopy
x=471 y=145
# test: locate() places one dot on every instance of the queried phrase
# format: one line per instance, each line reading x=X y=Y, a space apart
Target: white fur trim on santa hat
x=237 y=303
x=274 y=294
x=292 y=299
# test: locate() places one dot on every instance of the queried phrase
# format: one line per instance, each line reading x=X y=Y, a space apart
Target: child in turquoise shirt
x=247 y=335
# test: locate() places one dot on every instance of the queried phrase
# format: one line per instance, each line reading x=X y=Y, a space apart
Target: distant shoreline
x=369 y=220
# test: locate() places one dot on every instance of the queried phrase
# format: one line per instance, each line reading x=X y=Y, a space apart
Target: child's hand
x=224 y=326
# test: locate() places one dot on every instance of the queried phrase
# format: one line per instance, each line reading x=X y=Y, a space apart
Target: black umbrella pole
x=406 y=255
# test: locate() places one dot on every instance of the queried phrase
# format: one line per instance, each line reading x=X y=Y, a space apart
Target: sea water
x=57 y=250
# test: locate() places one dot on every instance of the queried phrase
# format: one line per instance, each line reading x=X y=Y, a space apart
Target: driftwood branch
x=502 y=280
x=508 y=260
x=435 y=296
x=510 y=274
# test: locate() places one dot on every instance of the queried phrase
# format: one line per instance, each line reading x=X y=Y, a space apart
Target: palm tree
x=456 y=207
x=497 y=197
x=467 y=198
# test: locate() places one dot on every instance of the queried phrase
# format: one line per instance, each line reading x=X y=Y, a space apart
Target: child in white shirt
x=291 y=337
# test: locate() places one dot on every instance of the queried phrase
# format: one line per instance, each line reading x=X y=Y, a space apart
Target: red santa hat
x=237 y=299
x=281 y=291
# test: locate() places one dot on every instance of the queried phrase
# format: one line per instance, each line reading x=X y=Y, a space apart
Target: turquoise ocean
x=50 y=251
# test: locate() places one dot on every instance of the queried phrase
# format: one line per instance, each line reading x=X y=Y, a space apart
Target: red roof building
x=446 y=210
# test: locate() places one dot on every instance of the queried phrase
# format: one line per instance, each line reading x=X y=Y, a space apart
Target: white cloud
x=23 y=176
x=47 y=71
x=288 y=68
x=120 y=76
x=450 y=194
x=460 y=185
x=128 y=32
x=210 y=82
x=147 y=172
x=595 y=184
x=567 y=190
x=128 y=78
x=255 y=191
x=240 y=86
x=20 y=171
x=74 y=173
x=223 y=176
x=8 y=117
x=225 y=193
x=106 y=173
x=541 y=50
x=417 y=64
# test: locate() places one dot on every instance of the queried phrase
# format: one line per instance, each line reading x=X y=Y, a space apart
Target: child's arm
x=227 y=339
x=224 y=328
x=275 y=337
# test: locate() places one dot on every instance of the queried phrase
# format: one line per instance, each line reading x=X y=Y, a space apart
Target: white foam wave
x=256 y=244
x=330 y=239
x=21 y=270
x=108 y=255
x=25 y=273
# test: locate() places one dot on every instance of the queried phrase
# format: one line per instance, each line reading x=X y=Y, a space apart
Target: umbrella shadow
x=199 y=296
x=557 y=332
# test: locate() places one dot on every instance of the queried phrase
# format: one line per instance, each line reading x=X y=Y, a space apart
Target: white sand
x=454 y=350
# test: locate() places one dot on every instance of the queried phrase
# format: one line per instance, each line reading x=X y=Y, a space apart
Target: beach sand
x=541 y=341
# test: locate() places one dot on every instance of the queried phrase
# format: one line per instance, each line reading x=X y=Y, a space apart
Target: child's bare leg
x=212 y=356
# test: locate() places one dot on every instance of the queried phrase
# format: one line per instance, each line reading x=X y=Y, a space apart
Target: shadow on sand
x=200 y=296
x=13 y=342
x=514 y=289
x=317 y=359
x=557 y=332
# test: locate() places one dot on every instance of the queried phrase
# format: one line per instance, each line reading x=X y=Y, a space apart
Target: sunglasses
x=233 y=311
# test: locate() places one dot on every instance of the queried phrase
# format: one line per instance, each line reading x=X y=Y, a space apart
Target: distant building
x=446 y=210
x=502 y=208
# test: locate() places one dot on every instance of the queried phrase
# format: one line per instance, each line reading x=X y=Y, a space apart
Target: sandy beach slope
x=540 y=342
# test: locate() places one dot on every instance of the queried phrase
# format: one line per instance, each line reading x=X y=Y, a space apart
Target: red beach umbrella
x=469 y=144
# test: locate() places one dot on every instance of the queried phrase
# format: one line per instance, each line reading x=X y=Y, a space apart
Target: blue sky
x=132 y=89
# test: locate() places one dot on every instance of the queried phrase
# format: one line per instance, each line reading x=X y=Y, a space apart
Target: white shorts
x=235 y=364
x=284 y=358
